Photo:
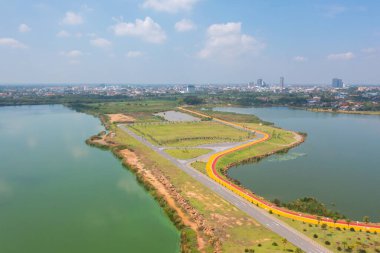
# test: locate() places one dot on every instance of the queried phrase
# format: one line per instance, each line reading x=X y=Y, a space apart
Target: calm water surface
x=339 y=163
x=59 y=195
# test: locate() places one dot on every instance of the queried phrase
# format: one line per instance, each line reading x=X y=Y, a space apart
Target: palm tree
x=335 y=219
x=344 y=243
x=319 y=219
x=284 y=241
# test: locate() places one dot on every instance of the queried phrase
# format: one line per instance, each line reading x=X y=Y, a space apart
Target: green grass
x=280 y=139
x=367 y=241
x=236 y=230
x=198 y=165
x=190 y=134
x=231 y=116
x=141 y=110
x=187 y=153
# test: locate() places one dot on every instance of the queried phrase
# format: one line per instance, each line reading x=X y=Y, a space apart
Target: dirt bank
x=188 y=215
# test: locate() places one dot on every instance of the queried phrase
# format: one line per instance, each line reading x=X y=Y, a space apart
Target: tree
x=193 y=100
x=366 y=219
x=344 y=243
x=319 y=218
x=335 y=219
x=284 y=241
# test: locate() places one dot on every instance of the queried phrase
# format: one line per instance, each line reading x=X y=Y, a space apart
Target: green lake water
x=339 y=163
x=59 y=195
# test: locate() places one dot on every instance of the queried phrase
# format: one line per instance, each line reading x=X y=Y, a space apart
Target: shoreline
x=373 y=113
x=183 y=216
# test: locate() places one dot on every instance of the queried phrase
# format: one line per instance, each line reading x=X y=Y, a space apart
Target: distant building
x=337 y=83
x=282 y=82
x=259 y=82
x=190 y=89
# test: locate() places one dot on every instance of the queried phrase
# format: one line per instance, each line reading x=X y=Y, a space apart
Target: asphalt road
x=260 y=215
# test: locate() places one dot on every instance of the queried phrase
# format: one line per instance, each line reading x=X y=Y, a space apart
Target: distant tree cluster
x=193 y=100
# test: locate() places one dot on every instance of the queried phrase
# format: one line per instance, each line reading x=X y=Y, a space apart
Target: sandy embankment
x=120 y=118
x=190 y=217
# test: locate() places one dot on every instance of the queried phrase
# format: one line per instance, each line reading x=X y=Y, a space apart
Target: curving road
x=213 y=172
x=260 y=215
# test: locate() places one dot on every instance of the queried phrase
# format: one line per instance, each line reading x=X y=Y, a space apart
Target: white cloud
x=184 y=25
x=171 y=6
x=63 y=34
x=101 y=42
x=300 y=58
x=72 y=18
x=23 y=28
x=10 y=42
x=72 y=54
x=341 y=56
x=369 y=50
x=134 y=54
x=227 y=40
x=145 y=29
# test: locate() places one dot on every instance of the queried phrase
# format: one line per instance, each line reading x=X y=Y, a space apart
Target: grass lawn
x=278 y=140
x=141 y=110
x=187 y=153
x=231 y=116
x=190 y=134
x=343 y=238
x=236 y=230
x=201 y=166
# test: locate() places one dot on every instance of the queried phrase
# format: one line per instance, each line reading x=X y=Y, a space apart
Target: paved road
x=260 y=215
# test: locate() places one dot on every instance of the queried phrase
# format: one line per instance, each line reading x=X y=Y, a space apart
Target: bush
x=315 y=236
x=274 y=244
x=327 y=242
x=339 y=248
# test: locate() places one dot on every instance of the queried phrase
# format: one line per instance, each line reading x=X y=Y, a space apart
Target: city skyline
x=189 y=41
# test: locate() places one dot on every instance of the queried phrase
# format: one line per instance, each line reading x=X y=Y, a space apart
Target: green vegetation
x=142 y=110
x=187 y=153
x=311 y=206
x=338 y=240
x=201 y=166
x=231 y=116
x=193 y=100
x=280 y=140
x=190 y=134
x=234 y=228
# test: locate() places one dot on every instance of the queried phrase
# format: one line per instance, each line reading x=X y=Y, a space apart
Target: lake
x=59 y=195
x=339 y=163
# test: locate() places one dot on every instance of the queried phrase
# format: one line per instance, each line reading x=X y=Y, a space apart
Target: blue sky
x=189 y=41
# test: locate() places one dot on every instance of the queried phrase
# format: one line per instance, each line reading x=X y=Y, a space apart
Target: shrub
x=315 y=236
x=339 y=248
x=274 y=244
x=327 y=242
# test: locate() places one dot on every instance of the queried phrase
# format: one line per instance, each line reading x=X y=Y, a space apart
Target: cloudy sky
x=189 y=41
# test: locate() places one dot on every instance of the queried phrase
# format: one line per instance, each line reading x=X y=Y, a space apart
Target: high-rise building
x=259 y=82
x=190 y=89
x=282 y=82
x=337 y=83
